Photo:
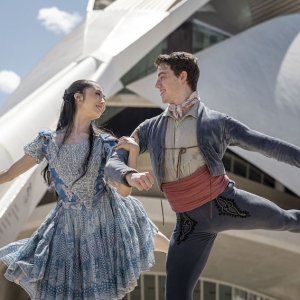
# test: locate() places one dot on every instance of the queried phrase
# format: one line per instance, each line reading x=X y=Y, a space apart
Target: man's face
x=167 y=83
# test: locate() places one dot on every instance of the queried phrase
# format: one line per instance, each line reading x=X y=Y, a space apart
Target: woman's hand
x=129 y=144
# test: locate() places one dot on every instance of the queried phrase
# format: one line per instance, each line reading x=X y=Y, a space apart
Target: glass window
x=146 y=65
x=198 y=40
x=136 y=293
x=161 y=287
x=149 y=287
x=209 y=290
x=269 y=181
x=197 y=35
x=225 y=292
x=101 y=4
x=240 y=295
x=242 y=168
x=213 y=39
x=227 y=162
x=204 y=37
x=288 y=191
x=255 y=174
x=254 y=297
x=196 y=294
x=239 y=168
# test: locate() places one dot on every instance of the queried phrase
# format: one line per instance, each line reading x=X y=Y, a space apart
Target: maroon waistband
x=195 y=190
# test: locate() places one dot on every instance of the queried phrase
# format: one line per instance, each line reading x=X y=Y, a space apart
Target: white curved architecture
x=253 y=76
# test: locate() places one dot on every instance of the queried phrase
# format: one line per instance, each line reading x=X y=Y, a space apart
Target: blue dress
x=95 y=243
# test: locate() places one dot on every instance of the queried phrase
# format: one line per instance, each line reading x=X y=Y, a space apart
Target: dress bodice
x=66 y=163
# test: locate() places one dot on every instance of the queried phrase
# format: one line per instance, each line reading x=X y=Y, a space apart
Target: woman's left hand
x=128 y=143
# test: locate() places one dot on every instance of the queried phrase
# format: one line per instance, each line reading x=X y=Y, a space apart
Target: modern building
x=249 y=56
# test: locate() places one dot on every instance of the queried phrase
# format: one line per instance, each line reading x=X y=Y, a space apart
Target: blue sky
x=28 y=30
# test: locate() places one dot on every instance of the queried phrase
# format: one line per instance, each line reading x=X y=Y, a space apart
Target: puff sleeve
x=35 y=148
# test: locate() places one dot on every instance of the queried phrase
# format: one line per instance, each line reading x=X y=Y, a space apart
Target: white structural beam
x=67 y=52
x=120 y=38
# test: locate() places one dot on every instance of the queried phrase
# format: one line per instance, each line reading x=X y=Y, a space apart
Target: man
x=186 y=145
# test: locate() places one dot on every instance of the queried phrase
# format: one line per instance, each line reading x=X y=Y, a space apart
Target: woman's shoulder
x=45 y=134
x=105 y=136
x=109 y=139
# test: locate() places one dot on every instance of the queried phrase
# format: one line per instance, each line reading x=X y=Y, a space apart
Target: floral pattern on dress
x=95 y=243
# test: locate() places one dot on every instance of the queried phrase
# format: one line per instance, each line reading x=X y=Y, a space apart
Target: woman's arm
x=116 y=167
x=19 y=167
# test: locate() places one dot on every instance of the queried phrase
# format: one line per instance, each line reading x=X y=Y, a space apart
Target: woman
x=95 y=243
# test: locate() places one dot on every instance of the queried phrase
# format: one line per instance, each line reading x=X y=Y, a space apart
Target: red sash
x=195 y=190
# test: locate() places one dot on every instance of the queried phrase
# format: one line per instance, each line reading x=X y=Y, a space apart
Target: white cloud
x=58 y=21
x=9 y=81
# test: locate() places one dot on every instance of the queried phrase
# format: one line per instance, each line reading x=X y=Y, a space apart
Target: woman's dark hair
x=66 y=122
x=182 y=61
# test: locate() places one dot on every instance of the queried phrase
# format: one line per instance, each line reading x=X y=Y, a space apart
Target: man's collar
x=192 y=112
x=166 y=113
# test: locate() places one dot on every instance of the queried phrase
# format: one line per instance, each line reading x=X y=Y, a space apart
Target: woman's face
x=91 y=103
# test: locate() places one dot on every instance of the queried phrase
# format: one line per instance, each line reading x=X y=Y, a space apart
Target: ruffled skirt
x=84 y=251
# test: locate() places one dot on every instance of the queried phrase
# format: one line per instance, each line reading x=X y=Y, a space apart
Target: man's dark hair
x=181 y=61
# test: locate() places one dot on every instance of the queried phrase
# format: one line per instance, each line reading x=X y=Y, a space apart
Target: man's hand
x=141 y=181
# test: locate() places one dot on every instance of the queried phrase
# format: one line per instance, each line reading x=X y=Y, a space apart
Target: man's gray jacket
x=215 y=132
